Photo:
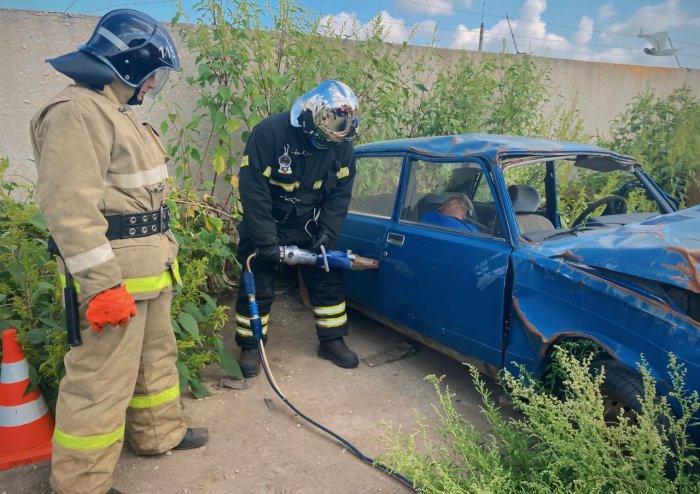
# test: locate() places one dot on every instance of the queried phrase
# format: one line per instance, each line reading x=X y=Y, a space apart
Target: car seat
x=526 y=200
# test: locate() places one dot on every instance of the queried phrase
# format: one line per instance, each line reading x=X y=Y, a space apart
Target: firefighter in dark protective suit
x=102 y=181
x=295 y=184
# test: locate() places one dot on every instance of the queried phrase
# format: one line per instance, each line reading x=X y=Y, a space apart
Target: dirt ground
x=258 y=445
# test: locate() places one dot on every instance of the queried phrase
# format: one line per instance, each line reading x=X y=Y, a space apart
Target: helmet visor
x=161 y=78
x=337 y=124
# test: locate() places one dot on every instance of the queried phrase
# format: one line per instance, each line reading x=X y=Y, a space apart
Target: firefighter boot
x=337 y=351
x=194 y=438
x=249 y=362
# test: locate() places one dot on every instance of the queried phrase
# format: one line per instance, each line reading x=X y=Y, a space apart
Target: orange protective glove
x=113 y=307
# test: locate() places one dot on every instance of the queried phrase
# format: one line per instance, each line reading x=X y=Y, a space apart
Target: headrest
x=525 y=198
x=437 y=199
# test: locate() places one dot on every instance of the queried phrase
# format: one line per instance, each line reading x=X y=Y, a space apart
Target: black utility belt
x=135 y=225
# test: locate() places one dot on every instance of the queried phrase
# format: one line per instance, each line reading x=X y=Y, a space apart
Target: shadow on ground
x=258 y=445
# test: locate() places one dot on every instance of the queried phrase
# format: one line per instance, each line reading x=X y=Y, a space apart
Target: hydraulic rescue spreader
x=293 y=255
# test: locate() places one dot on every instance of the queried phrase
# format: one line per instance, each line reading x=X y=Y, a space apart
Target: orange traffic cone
x=26 y=426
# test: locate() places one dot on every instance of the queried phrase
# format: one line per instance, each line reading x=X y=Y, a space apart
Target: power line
x=420 y=26
x=449 y=9
x=488 y=34
x=121 y=5
x=534 y=21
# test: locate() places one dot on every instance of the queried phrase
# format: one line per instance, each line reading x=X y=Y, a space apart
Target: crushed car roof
x=491 y=146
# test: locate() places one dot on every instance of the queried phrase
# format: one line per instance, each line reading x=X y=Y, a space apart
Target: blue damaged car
x=556 y=241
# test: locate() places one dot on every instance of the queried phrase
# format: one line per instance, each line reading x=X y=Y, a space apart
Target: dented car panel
x=664 y=249
x=554 y=298
x=495 y=290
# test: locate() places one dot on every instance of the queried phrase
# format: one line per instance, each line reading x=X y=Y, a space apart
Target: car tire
x=621 y=390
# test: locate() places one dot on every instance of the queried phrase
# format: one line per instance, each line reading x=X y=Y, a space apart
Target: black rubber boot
x=337 y=351
x=249 y=362
x=194 y=438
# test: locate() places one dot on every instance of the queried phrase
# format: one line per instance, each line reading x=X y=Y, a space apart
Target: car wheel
x=621 y=390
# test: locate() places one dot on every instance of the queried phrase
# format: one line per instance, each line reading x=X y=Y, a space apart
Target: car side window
x=376 y=185
x=450 y=195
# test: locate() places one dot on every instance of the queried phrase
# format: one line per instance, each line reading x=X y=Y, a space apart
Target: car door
x=446 y=283
x=371 y=208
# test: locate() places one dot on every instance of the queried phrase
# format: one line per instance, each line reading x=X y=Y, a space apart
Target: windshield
x=577 y=195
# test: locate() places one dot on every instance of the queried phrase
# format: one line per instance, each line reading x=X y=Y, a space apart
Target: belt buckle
x=161 y=218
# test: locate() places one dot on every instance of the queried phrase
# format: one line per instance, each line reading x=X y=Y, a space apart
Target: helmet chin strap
x=134 y=98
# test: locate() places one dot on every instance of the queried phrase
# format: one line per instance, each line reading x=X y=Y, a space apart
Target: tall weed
x=559 y=443
x=246 y=71
x=664 y=134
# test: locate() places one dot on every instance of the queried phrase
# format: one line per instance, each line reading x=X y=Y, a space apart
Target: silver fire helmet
x=328 y=114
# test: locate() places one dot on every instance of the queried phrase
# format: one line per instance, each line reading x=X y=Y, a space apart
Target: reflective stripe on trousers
x=243 y=325
x=155 y=400
x=332 y=316
x=121 y=383
x=86 y=443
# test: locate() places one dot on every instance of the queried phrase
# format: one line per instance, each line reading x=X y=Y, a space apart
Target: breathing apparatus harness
x=293 y=255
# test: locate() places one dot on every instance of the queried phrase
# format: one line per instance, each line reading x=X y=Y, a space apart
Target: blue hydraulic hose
x=256 y=327
x=255 y=321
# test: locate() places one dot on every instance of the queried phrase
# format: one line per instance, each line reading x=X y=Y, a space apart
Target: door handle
x=395 y=239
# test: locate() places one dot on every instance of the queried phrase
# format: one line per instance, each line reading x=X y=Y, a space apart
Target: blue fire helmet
x=132 y=44
x=328 y=114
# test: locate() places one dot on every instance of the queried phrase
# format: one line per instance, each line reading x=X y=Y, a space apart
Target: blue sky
x=597 y=30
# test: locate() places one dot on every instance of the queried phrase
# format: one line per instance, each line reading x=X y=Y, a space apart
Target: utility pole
x=517 y=52
x=481 y=30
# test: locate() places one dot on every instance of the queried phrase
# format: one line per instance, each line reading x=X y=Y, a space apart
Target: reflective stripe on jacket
x=95 y=158
x=283 y=178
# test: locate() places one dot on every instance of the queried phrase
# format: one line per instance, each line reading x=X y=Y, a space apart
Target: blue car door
x=443 y=282
x=371 y=208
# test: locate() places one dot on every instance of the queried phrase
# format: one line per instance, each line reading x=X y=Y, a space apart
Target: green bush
x=30 y=294
x=31 y=298
x=246 y=71
x=664 y=135
x=560 y=443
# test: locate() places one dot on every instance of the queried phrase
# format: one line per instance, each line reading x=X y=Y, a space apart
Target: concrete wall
x=27 y=38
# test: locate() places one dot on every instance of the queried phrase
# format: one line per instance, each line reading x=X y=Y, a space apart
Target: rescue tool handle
x=339 y=259
x=70 y=300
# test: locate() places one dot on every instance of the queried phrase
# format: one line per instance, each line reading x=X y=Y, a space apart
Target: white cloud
x=394 y=29
x=465 y=38
x=425 y=30
x=606 y=12
x=530 y=33
x=653 y=18
x=343 y=24
x=626 y=56
x=533 y=9
x=585 y=31
x=430 y=7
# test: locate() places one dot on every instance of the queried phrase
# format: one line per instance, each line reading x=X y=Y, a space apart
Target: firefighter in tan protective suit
x=101 y=184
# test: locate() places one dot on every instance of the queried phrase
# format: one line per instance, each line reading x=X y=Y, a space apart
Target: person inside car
x=453 y=213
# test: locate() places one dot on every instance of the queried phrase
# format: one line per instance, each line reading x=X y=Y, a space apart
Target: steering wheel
x=613 y=205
